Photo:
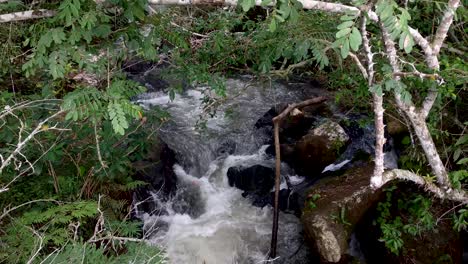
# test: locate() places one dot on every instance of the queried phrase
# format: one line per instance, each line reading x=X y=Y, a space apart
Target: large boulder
x=318 y=148
x=295 y=126
x=256 y=182
x=335 y=134
x=334 y=206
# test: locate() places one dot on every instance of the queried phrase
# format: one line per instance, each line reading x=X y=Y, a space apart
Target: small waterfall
x=207 y=221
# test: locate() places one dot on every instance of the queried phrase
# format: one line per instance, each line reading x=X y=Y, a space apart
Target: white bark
x=444 y=26
x=307 y=4
x=454 y=195
x=377 y=177
x=26 y=15
x=359 y=65
x=417 y=118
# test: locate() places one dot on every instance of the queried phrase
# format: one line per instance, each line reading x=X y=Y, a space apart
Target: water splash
x=207 y=221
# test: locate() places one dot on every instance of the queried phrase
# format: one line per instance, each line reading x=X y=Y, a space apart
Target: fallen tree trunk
x=277 y=122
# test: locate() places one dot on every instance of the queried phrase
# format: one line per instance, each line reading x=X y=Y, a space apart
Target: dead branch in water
x=277 y=122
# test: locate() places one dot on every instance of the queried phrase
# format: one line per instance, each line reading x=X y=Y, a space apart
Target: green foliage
x=282 y=11
x=458 y=178
x=460 y=219
x=51 y=227
x=75 y=57
x=395 y=20
x=460 y=150
x=348 y=35
x=84 y=253
x=420 y=219
x=112 y=104
x=341 y=217
x=311 y=199
x=391 y=235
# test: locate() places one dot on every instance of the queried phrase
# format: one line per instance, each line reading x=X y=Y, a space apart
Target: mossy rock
x=342 y=203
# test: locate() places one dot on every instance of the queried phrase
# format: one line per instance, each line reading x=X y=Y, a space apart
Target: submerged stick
x=277 y=122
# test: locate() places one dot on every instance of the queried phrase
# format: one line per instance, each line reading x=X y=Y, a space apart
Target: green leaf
x=462 y=140
x=347 y=17
x=377 y=89
x=407 y=42
x=102 y=31
x=342 y=33
x=117 y=117
x=387 y=11
x=345 y=49
x=294 y=15
x=284 y=10
x=272 y=26
x=301 y=49
x=355 y=39
x=462 y=161
x=58 y=35
x=346 y=24
x=246 y=4
x=279 y=18
x=456 y=154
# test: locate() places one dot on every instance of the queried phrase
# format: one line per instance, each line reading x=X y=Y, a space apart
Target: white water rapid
x=221 y=226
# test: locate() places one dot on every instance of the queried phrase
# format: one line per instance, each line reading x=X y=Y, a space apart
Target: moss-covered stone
x=343 y=201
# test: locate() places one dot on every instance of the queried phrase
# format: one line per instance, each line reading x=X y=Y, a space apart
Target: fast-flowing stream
x=207 y=221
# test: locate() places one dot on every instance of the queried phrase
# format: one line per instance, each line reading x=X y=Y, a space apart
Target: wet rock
x=188 y=199
x=228 y=147
x=256 y=182
x=157 y=171
x=311 y=155
x=334 y=207
x=288 y=201
x=296 y=125
x=314 y=151
x=396 y=128
x=335 y=134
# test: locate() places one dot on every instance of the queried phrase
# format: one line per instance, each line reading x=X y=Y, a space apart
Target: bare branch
x=359 y=64
x=8 y=211
x=26 y=15
x=444 y=26
x=425 y=46
x=417 y=118
x=39 y=248
x=276 y=122
x=456 y=195
x=103 y=165
x=110 y=237
x=302 y=104
x=417 y=74
x=21 y=144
